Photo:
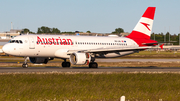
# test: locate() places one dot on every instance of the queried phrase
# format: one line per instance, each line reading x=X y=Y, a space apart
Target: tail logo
x=146 y=25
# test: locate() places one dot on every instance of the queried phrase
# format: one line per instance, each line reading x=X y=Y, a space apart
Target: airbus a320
x=82 y=49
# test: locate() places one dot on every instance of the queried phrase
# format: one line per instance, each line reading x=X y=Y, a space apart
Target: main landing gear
x=25 y=65
x=66 y=64
x=93 y=64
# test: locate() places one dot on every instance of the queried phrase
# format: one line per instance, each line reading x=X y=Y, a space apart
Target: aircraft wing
x=110 y=50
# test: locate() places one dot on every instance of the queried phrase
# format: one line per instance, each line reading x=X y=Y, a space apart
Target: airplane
x=82 y=49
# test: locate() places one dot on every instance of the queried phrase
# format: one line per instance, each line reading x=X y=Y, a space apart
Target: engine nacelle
x=80 y=58
x=36 y=60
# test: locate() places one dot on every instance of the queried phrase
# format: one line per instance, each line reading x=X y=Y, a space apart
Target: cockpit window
x=12 y=41
x=16 y=41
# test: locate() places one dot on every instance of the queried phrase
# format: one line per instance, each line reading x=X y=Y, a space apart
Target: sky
x=98 y=16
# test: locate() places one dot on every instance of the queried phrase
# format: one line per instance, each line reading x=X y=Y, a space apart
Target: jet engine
x=37 y=60
x=80 y=58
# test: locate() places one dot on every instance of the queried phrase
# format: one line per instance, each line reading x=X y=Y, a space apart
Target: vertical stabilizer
x=143 y=28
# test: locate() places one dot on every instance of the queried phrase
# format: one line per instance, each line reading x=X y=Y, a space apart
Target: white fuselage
x=59 y=46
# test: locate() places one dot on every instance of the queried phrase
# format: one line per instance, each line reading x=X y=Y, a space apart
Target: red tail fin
x=142 y=31
x=144 y=26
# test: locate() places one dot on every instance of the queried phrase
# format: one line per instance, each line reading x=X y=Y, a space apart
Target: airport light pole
x=179 y=38
x=179 y=35
x=169 y=37
x=165 y=34
x=169 y=34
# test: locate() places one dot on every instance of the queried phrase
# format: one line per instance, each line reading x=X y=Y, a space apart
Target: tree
x=44 y=29
x=168 y=37
x=118 y=31
x=26 y=30
x=55 y=30
x=88 y=32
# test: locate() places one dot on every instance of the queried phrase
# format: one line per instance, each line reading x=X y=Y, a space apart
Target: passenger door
x=31 y=43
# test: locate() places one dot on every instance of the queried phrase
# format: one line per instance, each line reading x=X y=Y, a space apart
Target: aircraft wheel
x=66 y=64
x=25 y=65
x=93 y=65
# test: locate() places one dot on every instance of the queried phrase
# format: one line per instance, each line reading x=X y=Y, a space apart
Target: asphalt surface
x=51 y=69
x=116 y=60
x=137 y=60
x=90 y=70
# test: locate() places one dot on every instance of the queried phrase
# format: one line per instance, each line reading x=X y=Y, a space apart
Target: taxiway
x=90 y=70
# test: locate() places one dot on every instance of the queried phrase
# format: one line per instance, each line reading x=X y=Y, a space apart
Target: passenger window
x=20 y=41
x=17 y=41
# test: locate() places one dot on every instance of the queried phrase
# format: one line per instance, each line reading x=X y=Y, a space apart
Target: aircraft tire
x=25 y=65
x=93 y=65
x=66 y=64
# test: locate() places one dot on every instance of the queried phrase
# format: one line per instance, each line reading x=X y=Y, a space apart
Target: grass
x=88 y=87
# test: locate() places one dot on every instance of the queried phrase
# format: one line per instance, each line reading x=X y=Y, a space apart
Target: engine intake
x=80 y=58
x=35 y=60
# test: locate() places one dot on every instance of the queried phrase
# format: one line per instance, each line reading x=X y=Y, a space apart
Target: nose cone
x=6 y=49
x=1 y=51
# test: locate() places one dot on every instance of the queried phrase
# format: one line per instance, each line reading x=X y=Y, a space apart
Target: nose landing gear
x=25 y=65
